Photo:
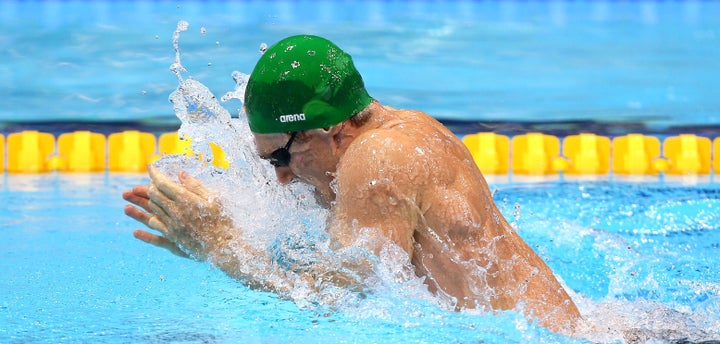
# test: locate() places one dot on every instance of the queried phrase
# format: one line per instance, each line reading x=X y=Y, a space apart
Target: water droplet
x=241 y=80
x=295 y=64
x=157 y=37
x=311 y=53
x=217 y=43
x=209 y=64
x=203 y=31
x=183 y=25
x=263 y=48
x=144 y=92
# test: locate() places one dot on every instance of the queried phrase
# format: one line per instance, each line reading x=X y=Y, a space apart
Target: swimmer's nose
x=284 y=174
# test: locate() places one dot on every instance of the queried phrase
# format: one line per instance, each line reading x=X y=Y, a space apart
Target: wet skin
x=401 y=174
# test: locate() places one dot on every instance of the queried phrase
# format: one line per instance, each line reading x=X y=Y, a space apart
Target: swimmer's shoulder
x=406 y=133
x=392 y=146
x=382 y=142
x=417 y=121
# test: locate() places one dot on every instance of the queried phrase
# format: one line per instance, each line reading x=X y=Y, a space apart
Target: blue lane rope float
x=533 y=153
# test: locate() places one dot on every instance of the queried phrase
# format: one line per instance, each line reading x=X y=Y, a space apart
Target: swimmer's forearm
x=344 y=273
x=342 y=279
x=255 y=269
x=247 y=264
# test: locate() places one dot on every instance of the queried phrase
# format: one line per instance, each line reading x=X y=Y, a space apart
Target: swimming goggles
x=281 y=156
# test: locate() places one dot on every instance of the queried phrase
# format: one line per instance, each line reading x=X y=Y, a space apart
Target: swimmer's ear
x=334 y=130
x=329 y=133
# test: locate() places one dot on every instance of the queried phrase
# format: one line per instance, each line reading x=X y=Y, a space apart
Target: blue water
x=638 y=258
x=641 y=66
x=634 y=256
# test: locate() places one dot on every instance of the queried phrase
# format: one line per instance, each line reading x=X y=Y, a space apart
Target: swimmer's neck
x=379 y=117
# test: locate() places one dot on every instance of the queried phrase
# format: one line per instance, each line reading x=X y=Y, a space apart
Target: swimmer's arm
x=376 y=196
x=188 y=216
x=370 y=213
x=378 y=186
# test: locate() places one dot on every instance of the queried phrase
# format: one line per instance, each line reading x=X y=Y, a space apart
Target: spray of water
x=282 y=220
x=177 y=67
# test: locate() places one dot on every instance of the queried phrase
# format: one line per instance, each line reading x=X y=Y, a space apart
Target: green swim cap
x=303 y=82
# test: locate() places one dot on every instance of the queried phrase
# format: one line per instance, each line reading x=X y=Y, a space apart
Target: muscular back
x=416 y=182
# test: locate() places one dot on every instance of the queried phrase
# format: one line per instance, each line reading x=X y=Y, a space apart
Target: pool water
x=639 y=259
x=605 y=66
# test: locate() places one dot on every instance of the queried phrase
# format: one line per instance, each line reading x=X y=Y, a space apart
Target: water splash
x=241 y=80
x=177 y=67
x=284 y=220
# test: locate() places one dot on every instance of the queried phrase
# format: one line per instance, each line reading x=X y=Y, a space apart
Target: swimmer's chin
x=322 y=199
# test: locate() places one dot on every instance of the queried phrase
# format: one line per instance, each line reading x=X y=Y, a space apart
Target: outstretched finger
x=138 y=215
x=193 y=185
x=160 y=215
x=171 y=189
x=158 y=223
x=151 y=220
x=159 y=241
x=160 y=198
x=138 y=196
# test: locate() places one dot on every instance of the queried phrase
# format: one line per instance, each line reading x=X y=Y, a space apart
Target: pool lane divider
x=590 y=154
x=532 y=154
x=83 y=151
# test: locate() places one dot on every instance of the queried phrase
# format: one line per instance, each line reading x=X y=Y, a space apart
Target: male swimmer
x=399 y=172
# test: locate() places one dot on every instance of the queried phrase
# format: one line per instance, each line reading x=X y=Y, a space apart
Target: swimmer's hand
x=138 y=196
x=185 y=213
x=193 y=225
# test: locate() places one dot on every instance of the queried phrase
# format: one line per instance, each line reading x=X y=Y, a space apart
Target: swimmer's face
x=268 y=146
x=310 y=155
x=312 y=159
x=281 y=156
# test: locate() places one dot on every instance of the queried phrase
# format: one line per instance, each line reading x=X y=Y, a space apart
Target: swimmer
x=399 y=172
